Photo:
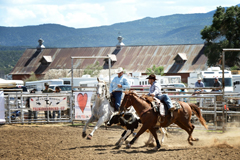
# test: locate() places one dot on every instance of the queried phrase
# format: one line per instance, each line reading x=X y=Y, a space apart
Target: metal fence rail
x=211 y=104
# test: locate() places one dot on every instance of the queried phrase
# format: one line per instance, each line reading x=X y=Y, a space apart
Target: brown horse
x=149 y=118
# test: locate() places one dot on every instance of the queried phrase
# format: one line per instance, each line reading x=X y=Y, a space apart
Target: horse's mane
x=144 y=97
x=147 y=98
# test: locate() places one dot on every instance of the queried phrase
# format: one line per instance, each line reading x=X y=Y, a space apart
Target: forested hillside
x=9 y=57
x=165 y=30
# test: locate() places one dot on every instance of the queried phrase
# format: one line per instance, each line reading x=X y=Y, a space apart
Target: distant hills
x=172 y=29
x=164 y=30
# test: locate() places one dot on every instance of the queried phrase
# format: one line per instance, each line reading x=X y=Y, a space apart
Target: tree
x=93 y=69
x=223 y=33
x=31 y=78
x=155 y=70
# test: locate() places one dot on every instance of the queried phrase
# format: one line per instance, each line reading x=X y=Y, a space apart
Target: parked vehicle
x=62 y=87
x=39 y=85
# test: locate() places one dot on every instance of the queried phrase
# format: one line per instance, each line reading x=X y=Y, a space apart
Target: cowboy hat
x=152 y=76
x=119 y=70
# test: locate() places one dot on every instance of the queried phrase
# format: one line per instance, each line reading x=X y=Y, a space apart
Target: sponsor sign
x=83 y=105
x=48 y=103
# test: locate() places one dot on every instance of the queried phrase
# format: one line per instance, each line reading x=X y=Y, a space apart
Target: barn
x=176 y=59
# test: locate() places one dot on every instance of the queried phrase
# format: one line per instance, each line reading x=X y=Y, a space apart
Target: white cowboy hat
x=119 y=70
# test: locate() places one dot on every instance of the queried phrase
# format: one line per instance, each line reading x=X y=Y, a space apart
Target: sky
x=94 y=13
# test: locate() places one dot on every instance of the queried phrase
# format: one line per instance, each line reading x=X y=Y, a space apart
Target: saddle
x=159 y=106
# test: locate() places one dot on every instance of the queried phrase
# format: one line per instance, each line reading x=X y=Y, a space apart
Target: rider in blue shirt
x=117 y=85
x=155 y=91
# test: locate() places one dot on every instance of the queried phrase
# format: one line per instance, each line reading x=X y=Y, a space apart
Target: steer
x=129 y=121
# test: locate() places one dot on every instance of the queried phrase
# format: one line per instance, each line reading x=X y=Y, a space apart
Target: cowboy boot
x=172 y=109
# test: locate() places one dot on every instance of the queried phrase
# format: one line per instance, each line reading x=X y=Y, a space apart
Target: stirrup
x=172 y=109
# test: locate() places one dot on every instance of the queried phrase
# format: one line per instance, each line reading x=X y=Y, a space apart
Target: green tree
x=31 y=78
x=223 y=33
x=155 y=70
x=93 y=69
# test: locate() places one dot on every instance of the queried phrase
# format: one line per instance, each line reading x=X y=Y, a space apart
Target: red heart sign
x=82 y=101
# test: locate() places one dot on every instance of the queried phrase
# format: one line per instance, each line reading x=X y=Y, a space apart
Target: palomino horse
x=101 y=111
x=149 y=118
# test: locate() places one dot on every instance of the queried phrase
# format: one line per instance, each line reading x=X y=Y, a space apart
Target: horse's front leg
x=153 y=131
x=92 y=119
x=141 y=131
x=99 y=123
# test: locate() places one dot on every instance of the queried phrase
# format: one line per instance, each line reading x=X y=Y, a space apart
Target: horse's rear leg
x=150 y=139
x=163 y=133
x=188 y=128
x=92 y=119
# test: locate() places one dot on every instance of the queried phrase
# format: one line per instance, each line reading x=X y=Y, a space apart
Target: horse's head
x=102 y=89
x=127 y=100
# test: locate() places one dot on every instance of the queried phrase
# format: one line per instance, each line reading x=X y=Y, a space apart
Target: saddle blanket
x=163 y=108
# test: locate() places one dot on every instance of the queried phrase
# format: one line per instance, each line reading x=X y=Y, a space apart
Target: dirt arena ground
x=66 y=142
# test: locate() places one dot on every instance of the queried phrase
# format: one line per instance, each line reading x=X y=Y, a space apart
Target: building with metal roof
x=176 y=59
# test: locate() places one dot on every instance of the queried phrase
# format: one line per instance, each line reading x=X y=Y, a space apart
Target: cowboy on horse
x=155 y=91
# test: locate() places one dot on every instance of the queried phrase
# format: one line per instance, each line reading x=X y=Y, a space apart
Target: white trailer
x=208 y=78
x=236 y=82
x=77 y=80
x=39 y=85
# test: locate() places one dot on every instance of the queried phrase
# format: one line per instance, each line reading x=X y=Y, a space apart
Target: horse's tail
x=198 y=113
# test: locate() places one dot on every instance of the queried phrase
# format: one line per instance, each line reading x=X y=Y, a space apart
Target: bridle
x=104 y=89
x=128 y=99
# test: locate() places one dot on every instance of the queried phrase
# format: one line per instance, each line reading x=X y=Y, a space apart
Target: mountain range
x=164 y=30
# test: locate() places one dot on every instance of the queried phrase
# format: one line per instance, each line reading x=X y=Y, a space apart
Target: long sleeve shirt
x=119 y=80
x=155 y=89
x=201 y=84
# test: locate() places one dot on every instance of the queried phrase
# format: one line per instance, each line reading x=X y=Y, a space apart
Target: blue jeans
x=118 y=97
x=166 y=99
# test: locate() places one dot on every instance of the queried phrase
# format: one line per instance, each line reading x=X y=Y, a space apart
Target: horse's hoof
x=116 y=144
x=89 y=137
x=190 y=143
x=128 y=146
x=196 y=139
x=84 y=134
x=156 y=148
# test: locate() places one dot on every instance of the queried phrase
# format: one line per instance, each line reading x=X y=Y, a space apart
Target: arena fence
x=219 y=114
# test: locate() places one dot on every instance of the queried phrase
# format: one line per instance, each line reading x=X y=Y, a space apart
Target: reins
x=129 y=99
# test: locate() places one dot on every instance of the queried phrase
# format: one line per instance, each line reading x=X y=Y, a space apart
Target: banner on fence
x=2 y=108
x=48 y=103
x=83 y=105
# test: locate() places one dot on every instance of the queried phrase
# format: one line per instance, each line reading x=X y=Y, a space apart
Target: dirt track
x=66 y=142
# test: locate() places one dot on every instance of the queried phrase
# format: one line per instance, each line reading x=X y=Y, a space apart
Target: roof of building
x=131 y=58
